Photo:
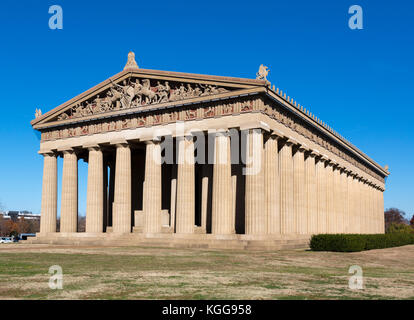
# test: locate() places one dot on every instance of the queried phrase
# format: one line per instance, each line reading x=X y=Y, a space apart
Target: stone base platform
x=204 y=241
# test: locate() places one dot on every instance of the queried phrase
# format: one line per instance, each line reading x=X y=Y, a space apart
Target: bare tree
x=393 y=216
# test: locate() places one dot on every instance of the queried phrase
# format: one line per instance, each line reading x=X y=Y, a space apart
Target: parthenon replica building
x=199 y=160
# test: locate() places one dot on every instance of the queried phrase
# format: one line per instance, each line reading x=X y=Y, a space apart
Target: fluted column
x=69 y=202
x=353 y=195
x=374 y=217
x=345 y=202
x=311 y=193
x=299 y=192
x=222 y=202
x=358 y=204
x=321 y=187
x=286 y=188
x=95 y=198
x=173 y=200
x=381 y=204
x=369 y=221
x=152 y=188
x=49 y=194
x=185 y=212
x=351 y=222
x=255 y=195
x=338 y=205
x=272 y=185
x=330 y=205
x=121 y=219
x=365 y=211
x=378 y=212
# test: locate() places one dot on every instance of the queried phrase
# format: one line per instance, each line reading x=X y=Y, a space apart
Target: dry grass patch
x=167 y=273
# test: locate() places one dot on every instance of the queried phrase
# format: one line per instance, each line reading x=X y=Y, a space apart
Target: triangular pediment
x=134 y=91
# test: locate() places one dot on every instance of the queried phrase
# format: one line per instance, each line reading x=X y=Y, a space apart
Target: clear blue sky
x=358 y=81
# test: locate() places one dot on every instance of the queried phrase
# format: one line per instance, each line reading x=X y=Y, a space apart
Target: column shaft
x=255 y=195
x=299 y=191
x=321 y=187
x=95 y=198
x=49 y=194
x=69 y=202
x=330 y=205
x=152 y=188
x=222 y=205
x=185 y=214
x=286 y=189
x=122 y=195
x=311 y=194
x=272 y=185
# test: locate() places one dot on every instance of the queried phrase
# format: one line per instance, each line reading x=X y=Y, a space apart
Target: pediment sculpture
x=137 y=93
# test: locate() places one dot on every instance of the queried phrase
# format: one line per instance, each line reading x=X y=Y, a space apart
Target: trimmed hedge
x=359 y=242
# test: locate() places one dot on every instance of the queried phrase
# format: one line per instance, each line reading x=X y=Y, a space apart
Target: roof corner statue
x=131 y=63
x=38 y=113
x=262 y=73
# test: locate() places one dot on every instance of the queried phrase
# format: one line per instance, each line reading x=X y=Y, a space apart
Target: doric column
x=345 y=202
x=330 y=205
x=121 y=219
x=286 y=188
x=152 y=188
x=94 y=200
x=299 y=192
x=311 y=193
x=185 y=212
x=204 y=196
x=368 y=220
x=49 y=194
x=381 y=202
x=173 y=199
x=350 y=213
x=69 y=202
x=358 y=205
x=272 y=185
x=365 y=208
x=374 y=216
x=222 y=221
x=255 y=196
x=321 y=187
x=378 y=212
x=338 y=205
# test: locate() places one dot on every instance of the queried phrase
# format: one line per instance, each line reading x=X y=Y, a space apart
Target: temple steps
x=190 y=241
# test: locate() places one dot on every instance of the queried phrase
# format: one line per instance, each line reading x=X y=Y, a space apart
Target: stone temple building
x=196 y=160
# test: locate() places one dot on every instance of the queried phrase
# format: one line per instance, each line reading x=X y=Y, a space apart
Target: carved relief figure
x=136 y=94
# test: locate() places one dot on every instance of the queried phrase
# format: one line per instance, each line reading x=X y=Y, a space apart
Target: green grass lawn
x=163 y=273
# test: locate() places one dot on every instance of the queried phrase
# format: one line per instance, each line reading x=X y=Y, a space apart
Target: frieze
x=134 y=93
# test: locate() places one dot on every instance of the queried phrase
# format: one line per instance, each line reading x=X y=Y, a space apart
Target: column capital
x=49 y=153
x=153 y=141
x=313 y=153
x=68 y=150
x=277 y=134
x=303 y=147
x=331 y=163
x=119 y=142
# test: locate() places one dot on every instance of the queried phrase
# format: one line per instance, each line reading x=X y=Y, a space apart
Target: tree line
x=395 y=221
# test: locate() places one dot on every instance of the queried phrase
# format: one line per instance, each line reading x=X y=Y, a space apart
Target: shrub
x=359 y=242
x=400 y=228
